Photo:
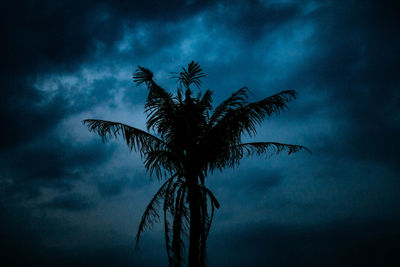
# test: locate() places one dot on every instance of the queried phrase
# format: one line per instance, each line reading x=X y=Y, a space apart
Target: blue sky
x=67 y=198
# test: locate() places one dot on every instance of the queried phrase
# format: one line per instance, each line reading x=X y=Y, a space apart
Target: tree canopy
x=187 y=139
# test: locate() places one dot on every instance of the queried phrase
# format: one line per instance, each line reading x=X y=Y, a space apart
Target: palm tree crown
x=191 y=140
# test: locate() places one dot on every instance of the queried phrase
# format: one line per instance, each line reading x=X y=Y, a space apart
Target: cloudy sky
x=67 y=198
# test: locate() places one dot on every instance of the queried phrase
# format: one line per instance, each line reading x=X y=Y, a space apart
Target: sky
x=68 y=199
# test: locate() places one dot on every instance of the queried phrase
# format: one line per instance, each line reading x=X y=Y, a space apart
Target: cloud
x=49 y=163
x=335 y=244
x=71 y=202
x=253 y=20
x=79 y=32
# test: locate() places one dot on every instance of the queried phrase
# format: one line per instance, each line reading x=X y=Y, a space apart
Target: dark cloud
x=48 y=34
x=254 y=19
x=51 y=37
x=48 y=163
x=261 y=181
x=21 y=113
x=112 y=187
x=71 y=202
x=20 y=240
x=335 y=244
x=340 y=243
x=255 y=181
x=25 y=242
x=355 y=65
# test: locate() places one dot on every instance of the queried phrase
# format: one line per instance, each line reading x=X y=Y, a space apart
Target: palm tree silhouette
x=191 y=140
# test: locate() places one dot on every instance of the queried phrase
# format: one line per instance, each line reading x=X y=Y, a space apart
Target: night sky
x=68 y=199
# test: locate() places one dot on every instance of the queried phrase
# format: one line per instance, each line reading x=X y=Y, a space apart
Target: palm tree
x=189 y=141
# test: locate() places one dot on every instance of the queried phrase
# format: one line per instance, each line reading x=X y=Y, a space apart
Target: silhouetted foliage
x=190 y=140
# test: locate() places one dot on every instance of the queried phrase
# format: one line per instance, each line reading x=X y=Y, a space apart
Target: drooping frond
x=208 y=226
x=151 y=215
x=136 y=139
x=192 y=74
x=259 y=148
x=214 y=204
x=205 y=102
x=205 y=218
x=207 y=191
x=169 y=208
x=204 y=221
x=178 y=245
x=167 y=226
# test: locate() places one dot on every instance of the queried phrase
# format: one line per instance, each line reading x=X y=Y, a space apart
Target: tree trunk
x=195 y=225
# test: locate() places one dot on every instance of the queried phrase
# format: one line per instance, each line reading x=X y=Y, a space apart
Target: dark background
x=68 y=199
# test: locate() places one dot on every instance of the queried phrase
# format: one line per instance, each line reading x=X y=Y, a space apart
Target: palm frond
x=205 y=102
x=166 y=227
x=259 y=148
x=158 y=160
x=208 y=227
x=207 y=191
x=169 y=208
x=192 y=74
x=150 y=216
x=204 y=219
x=142 y=75
x=236 y=100
x=220 y=157
x=159 y=105
x=178 y=245
x=273 y=104
x=161 y=114
x=157 y=95
x=135 y=138
x=247 y=117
